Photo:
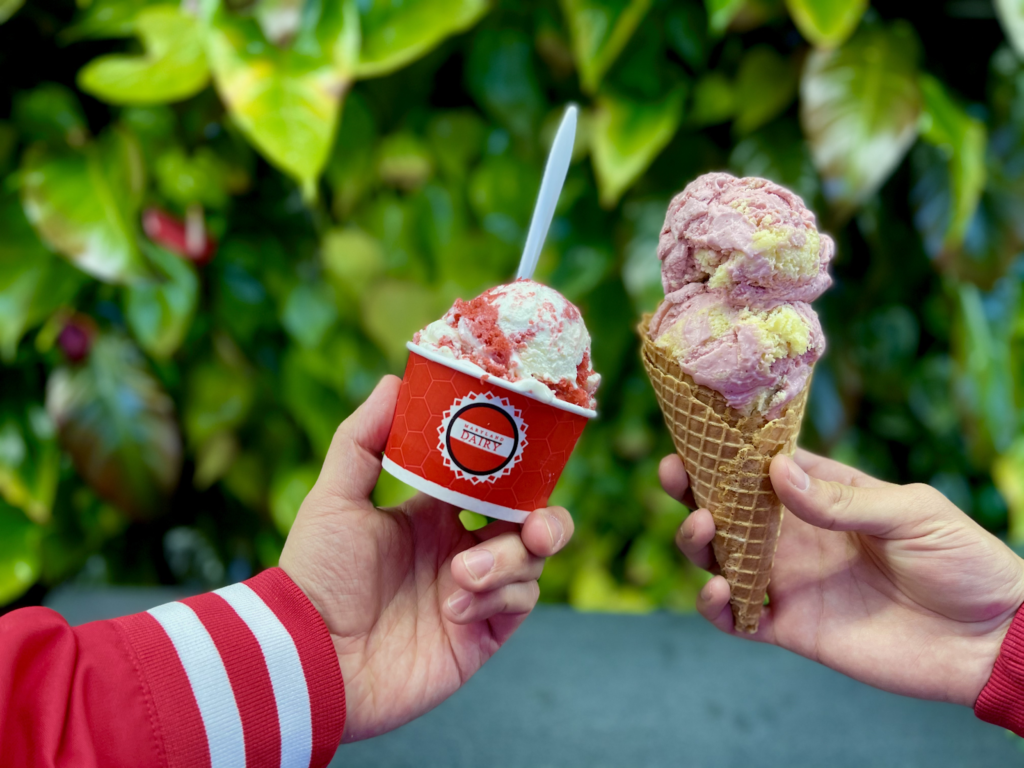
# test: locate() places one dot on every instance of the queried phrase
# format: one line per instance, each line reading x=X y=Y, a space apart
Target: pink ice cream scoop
x=741 y=259
x=749 y=237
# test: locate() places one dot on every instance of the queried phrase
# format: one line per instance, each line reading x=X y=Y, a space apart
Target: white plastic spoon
x=550 y=188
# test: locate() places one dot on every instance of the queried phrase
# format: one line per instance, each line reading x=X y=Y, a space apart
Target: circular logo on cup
x=482 y=437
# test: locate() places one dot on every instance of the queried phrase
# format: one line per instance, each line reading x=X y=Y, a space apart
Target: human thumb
x=877 y=510
x=352 y=465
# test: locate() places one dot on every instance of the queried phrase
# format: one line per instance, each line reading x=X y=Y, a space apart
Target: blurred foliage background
x=221 y=220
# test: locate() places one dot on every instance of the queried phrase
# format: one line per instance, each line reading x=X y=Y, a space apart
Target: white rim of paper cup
x=456 y=499
x=485 y=378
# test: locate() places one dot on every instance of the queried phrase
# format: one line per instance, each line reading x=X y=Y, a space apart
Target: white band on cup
x=460 y=500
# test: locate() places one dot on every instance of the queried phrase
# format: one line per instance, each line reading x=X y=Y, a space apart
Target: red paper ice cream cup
x=478 y=442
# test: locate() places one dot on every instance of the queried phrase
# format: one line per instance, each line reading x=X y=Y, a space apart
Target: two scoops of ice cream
x=741 y=260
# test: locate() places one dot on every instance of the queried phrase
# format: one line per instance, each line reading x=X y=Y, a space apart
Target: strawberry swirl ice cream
x=741 y=259
x=524 y=333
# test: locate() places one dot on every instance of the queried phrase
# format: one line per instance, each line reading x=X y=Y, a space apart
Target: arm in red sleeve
x=244 y=676
x=1001 y=701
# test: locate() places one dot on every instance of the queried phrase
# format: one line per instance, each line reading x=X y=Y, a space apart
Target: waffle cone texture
x=727 y=455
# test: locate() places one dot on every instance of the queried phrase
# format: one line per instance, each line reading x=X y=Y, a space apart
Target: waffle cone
x=727 y=455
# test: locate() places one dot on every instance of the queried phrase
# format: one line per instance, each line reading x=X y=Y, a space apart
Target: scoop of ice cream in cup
x=497 y=391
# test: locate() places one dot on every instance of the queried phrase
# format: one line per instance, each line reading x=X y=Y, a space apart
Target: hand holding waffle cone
x=729 y=354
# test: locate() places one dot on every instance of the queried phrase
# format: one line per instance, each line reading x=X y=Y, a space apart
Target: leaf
x=766 y=85
x=983 y=357
x=280 y=20
x=7 y=9
x=826 y=23
x=100 y=19
x=860 y=107
x=714 y=100
x=962 y=139
x=50 y=112
x=185 y=180
x=117 y=424
x=397 y=33
x=721 y=13
x=352 y=260
x=286 y=102
x=172 y=68
x=350 y=170
x=84 y=204
x=404 y=161
x=686 y=28
x=29 y=461
x=287 y=493
x=599 y=30
x=219 y=399
x=778 y=152
x=502 y=78
x=314 y=403
x=394 y=310
x=33 y=281
x=309 y=312
x=626 y=137
x=501 y=193
x=159 y=310
x=1008 y=475
x=20 y=561
x=456 y=139
x=1011 y=16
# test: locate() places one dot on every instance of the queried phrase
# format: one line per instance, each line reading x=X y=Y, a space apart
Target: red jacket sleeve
x=1002 y=699
x=244 y=676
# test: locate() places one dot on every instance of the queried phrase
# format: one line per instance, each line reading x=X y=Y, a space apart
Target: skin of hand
x=889 y=584
x=414 y=602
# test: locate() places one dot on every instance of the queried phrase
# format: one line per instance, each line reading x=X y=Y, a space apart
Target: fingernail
x=798 y=477
x=705 y=593
x=688 y=529
x=555 y=529
x=478 y=562
x=459 y=602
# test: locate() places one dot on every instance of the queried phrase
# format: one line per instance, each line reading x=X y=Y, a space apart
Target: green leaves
x=765 y=85
x=84 y=204
x=501 y=76
x=721 y=13
x=1011 y=16
x=19 y=553
x=983 y=356
x=286 y=102
x=627 y=136
x=160 y=309
x=860 y=106
x=29 y=461
x=117 y=424
x=8 y=8
x=962 y=139
x=33 y=281
x=826 y=23
x=396 y=33
x=173 y=66
x=600 y=30
x=287 y=493
x=1008 y=474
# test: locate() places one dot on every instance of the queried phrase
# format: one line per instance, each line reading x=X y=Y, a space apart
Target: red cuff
x=244 y=676
x=1002 y=699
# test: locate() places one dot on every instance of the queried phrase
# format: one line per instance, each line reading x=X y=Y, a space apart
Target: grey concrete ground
x=592 y=690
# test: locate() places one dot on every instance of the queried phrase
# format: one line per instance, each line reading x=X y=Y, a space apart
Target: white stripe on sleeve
x=209 y=680
x=286 y=675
